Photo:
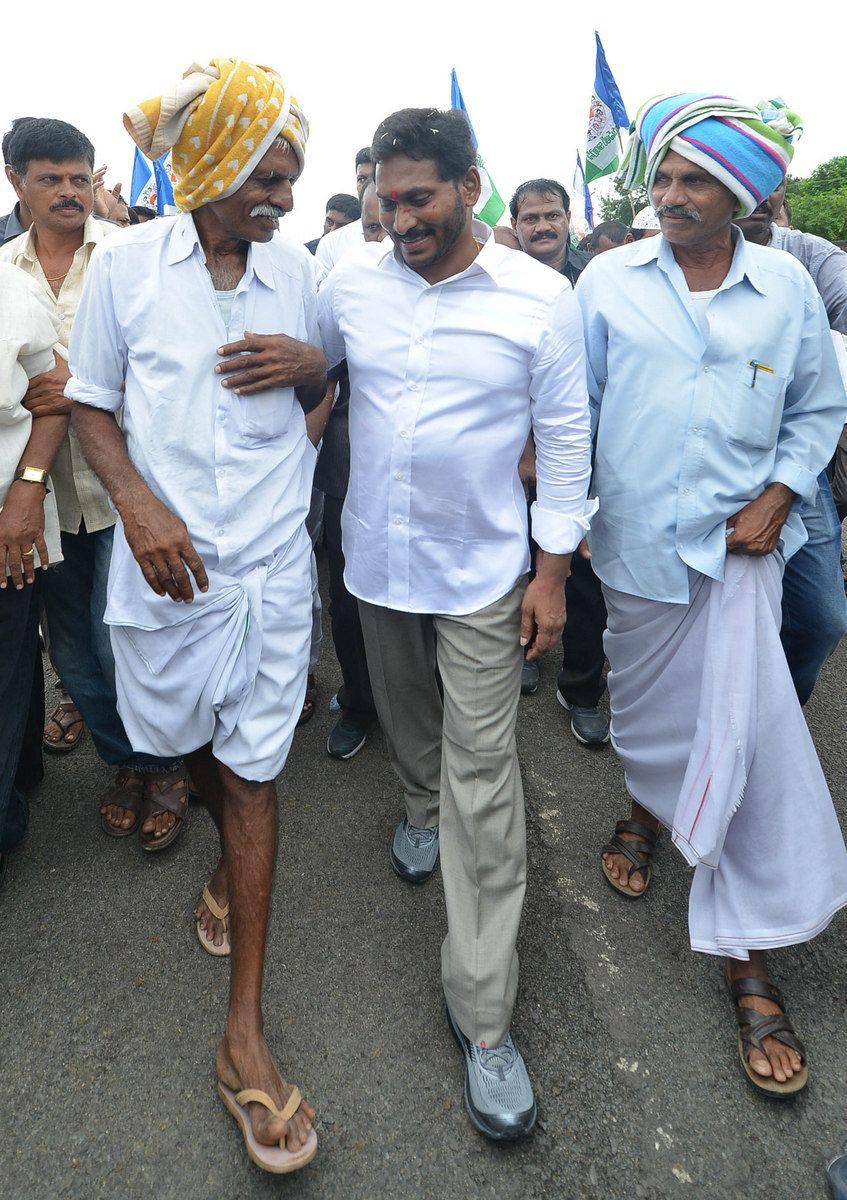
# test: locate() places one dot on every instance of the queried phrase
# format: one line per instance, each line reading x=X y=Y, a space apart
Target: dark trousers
x=355 y=695
x=581 y=680
x=20 y=718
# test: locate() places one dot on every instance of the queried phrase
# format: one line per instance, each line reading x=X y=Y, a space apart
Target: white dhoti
x=229 y=668
x=714 y=744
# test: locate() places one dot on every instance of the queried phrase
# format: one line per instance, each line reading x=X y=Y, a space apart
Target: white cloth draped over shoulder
x=714 y=743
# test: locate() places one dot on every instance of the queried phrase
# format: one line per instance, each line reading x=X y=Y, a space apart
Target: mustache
x=678 y=210
x=267 y=210
x=413 y=235
x=72 y=204
x=543 y=237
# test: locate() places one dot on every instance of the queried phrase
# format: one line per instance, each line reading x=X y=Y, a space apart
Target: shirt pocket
x=756 y=411
x=265 y=416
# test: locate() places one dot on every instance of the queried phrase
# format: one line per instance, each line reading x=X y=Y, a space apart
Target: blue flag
x=606 y=88
x=581 y=186
x=490 y=206
x=606 y=115
x=151 y=183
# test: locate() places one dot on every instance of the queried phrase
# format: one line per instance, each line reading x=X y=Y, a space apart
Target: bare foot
x=619 y=866
x=779 y=1060
x=213 y=927
x=248 y=1063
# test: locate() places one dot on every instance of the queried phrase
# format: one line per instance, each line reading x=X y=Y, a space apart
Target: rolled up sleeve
x=815 y=407
x=562 y=431
x=97 y=354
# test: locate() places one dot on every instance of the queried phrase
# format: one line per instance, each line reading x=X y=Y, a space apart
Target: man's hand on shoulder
x=161 y=546
x=755 y=528
x=271 y=360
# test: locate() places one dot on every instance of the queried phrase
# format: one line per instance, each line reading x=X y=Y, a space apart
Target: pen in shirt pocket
x=757 y=367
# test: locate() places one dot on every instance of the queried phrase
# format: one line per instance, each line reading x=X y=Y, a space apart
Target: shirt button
x=705 y=370
x=398 y=520
x=220 y=533
x=420 y=340
x=404 y=433
x=399 y=475
x=413 y=387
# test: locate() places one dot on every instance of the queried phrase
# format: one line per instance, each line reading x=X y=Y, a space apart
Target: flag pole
x=629 y=195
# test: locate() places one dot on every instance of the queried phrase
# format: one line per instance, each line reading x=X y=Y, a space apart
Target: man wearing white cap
x=645 y=224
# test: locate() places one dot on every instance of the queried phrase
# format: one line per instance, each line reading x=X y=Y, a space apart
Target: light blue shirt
x=687 y=428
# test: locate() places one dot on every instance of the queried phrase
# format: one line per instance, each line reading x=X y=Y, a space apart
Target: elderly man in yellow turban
x=201 y=331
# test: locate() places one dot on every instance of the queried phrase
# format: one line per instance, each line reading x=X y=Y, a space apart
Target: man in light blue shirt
x=717 y=402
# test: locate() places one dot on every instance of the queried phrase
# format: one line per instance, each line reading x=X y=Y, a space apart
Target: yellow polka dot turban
x=219 y=121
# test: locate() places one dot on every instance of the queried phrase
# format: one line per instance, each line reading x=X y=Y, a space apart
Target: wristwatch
x=33 y=475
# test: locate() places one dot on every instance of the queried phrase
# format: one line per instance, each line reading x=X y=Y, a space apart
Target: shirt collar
x=658 y=250
x=185 y=241
x=93 y=231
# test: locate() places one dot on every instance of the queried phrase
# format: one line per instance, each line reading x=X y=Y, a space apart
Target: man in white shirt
x=333 y=246
x=456 y=348
x=29 y=529
x=198 y=329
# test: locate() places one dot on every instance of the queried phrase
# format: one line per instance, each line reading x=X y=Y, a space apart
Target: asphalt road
x=111 y=1011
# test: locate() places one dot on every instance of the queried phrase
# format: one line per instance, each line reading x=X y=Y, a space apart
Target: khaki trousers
x=458 y=764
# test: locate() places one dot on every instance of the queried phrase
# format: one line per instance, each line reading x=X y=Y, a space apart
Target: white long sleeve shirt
x=236 y=469
x=446 y=382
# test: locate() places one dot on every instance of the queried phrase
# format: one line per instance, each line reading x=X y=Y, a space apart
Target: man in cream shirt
x=52 y=172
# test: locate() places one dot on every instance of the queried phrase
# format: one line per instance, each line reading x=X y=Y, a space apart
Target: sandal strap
x=631 y=851
x=640 y=830
x=255 y=1096
x=127 y=792
x=217 y=910
x=755 y=1027
x=168 y=795
x=753 y=986
x=61 y=716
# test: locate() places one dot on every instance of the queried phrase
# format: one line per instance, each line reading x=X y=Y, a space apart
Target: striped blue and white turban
x=747 y=149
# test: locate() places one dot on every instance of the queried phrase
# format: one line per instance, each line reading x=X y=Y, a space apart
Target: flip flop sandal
x=754 y=1027
x=222 y=913
x=164 y=793
x=275 y=1159
x=640 y=851
x=61 y=716
x=126 y=792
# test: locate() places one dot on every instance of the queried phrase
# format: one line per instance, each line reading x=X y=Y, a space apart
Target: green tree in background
x=619 y=205
x=819 y=203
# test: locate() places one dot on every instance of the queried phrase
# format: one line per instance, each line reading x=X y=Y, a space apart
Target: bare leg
x=781 y=1061
x=203 y=768
x=619 y=867
x=244 y=1060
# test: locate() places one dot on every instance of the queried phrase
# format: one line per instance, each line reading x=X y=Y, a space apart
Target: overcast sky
x=526 y=74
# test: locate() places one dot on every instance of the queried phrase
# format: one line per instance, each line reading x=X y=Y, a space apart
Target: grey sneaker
x=414 y=852
x=498 y=1093
x=588 y=725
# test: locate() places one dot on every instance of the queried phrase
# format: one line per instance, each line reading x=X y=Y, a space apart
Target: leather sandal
x=309 y=700
x=164 y=792
x=61 y=716
x=127 y=792
x=275 y=1159
x=754 y=1027
x=221 y=911
x=640 y=851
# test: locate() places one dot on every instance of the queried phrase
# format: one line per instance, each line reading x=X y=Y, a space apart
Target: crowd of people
x=507 y=443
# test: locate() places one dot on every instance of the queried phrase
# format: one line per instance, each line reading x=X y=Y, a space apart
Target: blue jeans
x=814 y=606
x=75 y=601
